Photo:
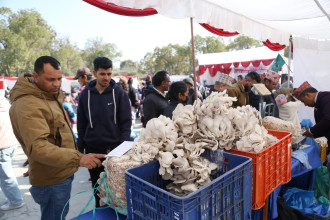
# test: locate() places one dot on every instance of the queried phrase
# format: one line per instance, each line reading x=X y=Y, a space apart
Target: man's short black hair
x=254 y=76
x=130 y=81
x=159 y=77
x=102 y=62
x=39 y=64
x=240 y=76
x=308 y=90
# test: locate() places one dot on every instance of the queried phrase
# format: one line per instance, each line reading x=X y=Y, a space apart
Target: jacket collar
x=162 y=94
x=241 y=87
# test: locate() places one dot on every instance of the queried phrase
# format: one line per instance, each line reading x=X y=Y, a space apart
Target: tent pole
x=193 y=56
x=290 y=48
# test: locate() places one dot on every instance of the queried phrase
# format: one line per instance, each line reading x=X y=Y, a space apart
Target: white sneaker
x=7 y=207
x=5 y=201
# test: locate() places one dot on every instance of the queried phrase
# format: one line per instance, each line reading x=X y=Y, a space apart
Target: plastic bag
x=303 y=200
x=324 y=201
x=321 y=182
x=302 y=157
x=298 y=198
x=133 y=135
x=306 y=123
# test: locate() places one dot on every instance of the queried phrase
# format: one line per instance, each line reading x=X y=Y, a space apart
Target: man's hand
x=26 y=174
x=91 y=160
x=307 y=133
x=24 y=165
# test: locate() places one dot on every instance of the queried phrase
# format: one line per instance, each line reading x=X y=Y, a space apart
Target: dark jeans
x=52 y=199
x=95 y=172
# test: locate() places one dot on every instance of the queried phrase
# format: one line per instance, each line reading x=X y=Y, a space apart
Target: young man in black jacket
x=254 y=78
x=155 y=101
x=134 y=101
x=104 y=115
x=271 y=81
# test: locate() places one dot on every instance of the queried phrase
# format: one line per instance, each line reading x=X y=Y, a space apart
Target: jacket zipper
x=59 y=137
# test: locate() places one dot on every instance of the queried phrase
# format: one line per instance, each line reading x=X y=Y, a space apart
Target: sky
x=133 y=36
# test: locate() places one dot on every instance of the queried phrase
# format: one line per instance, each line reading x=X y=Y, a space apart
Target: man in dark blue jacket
x=155 y=101
x=321 y=103
x=104 y=115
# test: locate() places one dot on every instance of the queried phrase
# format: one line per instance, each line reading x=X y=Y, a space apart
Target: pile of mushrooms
x=185 y=167
x=160 y=134
x=214 y=119
x=178 y=144
x=185 y=119
x=230 y=127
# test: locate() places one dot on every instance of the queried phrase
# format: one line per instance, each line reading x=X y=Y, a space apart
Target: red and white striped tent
x=234 y=63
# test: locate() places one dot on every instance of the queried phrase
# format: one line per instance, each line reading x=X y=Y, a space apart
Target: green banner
x=277 y=63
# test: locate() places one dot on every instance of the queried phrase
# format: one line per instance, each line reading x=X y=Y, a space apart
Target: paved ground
x=31 y=211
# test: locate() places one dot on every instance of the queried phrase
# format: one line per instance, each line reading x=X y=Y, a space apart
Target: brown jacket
x=43 y=130
x=238 y=91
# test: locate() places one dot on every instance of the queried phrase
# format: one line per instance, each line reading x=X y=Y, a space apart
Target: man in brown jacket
x=43 y=130
x=241 y=91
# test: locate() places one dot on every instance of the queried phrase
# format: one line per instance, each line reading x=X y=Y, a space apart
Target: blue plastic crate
x=229 y=196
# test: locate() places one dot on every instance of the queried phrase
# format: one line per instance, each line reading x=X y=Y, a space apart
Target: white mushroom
x=189 y=187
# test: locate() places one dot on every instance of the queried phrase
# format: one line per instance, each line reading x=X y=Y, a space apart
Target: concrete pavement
x=31 y=210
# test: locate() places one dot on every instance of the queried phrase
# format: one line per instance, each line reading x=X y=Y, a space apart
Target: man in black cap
x=83 y=76
x=191 y=93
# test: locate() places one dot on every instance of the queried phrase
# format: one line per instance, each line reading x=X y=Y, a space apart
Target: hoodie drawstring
x=89 y=108
x=114 y=102
x=115 y=108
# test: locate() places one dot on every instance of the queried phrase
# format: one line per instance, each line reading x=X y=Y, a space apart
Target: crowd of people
x=162 y=97
x=105 y=113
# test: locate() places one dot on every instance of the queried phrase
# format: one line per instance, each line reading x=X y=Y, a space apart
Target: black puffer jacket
x=254 y=100
x=153 y=105
x=168 y=111
x=132 y=95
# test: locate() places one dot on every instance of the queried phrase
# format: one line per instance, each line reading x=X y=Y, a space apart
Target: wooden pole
x=193 y=56
x=289 y=65
x=265 y=209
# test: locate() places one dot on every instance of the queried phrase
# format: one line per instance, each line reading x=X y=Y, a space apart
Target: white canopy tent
x=307 y=21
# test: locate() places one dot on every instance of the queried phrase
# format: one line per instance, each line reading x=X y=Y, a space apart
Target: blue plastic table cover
x=301 y=178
